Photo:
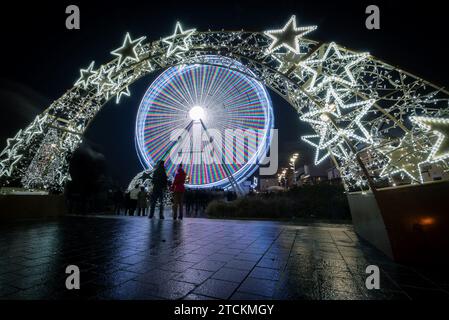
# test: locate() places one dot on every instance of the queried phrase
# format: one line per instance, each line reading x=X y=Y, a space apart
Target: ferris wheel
x=214 y=120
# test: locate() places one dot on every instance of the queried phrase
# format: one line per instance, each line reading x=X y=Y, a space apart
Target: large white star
x=178 y=41
x=332 y=56
x=128 y=50
x=439 y=127
x=407 y=158
x=288 y=37
x=333 y=127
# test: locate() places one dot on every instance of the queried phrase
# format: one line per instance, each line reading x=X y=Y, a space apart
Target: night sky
x=41 y=58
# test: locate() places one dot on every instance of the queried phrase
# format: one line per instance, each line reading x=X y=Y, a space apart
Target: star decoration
x=8 y=164
x=85 y=76
x=287 y=61
x=13 y=143
x=288 y=37
x=122 y=92
x=71 y=141
x=333 y=126
x=332 y=56
x=128 y=50
x=104 y=81
x=122 y=88
x=406 y=159
x=35 y=128
x=439 y=127
x=179 y=40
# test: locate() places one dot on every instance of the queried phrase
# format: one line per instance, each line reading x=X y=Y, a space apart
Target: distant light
x=427 y=221
x=196 y=113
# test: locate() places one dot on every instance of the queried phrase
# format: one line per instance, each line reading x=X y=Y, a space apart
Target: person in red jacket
x=178 y=189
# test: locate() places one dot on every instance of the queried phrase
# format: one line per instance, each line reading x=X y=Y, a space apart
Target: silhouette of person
x=133 y=196
x=159 y=181
x=118 y=200
x=178 y=192
x=127 y=203
x=141 y=202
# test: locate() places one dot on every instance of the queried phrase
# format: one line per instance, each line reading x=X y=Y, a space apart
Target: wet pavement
x=138 y=258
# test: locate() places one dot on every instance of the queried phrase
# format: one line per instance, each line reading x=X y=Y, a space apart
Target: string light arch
x=379 y=124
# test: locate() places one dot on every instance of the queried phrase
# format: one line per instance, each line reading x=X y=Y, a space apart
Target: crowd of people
x=140 y=202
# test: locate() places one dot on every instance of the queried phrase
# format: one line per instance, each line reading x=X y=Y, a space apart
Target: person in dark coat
x=178 y=189
x=118 y=199
x=127 y=203
x=142 y=202
x=159 y=181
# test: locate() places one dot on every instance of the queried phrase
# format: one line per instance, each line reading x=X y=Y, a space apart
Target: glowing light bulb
x=196 y=113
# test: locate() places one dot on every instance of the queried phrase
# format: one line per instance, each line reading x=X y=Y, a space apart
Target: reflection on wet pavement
x=135 y=258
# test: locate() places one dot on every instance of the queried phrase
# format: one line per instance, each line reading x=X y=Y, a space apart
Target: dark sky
x=41 y=59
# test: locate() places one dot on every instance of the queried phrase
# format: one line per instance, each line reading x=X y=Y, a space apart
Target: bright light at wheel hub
x=196 y=113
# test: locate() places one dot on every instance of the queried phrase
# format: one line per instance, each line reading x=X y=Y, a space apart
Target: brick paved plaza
x=135 y=258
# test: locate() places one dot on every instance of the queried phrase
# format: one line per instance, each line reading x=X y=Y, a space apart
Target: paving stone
x=176 y=266
x=229 y=274
x=240 y=264
x=156 y=276
x=217 y=288
x=260 y=287
x=6 y=290
x=194 y=296
x=192 y=257
x=131 y=290
x=115 y=278
x=265 y=273
x=194 y=276
x=174 y=290
x=247 y=296
x=221 y=257
x=209 y=265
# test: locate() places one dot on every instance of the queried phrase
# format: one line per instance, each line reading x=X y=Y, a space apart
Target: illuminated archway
x=375 y=121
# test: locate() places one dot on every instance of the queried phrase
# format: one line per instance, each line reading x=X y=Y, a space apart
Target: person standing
x=127 y=203
x=133 y=196
x=118 y=200
x=142 y=202
x=159 y=181
x=178 y=189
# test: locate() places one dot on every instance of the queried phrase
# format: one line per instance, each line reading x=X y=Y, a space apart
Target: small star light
x=85 y=76
x=287 y=61
x=7 y=165
x=12 y=144
x=128 y=50
x=178 y=41
x=439 y=127
x=122 y=88
x=122 y=92
x=35 y=128
x=288 y=37
x=104 y=81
